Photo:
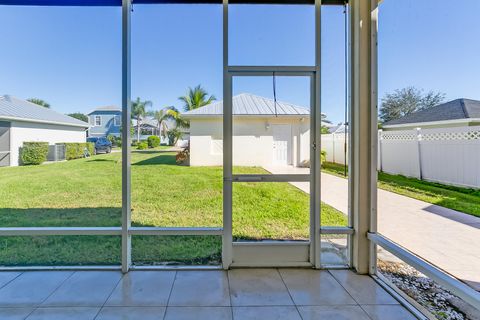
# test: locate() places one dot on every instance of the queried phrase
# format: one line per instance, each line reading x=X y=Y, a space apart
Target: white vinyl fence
x=444 y=155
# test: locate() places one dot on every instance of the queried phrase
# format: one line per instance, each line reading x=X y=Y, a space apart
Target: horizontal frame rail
x=271 y=177
x=336 y=230
x=107 y=231
x=61 y=231
x=154 y=231
x=455 y=286
x=306 y=70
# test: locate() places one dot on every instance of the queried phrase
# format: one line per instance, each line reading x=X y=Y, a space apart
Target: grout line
x=8 y=282
x=365 y=312
x=229 y=292
x=54 y=290
x=341 y=285
x=169 y=295
x=111 y=292
x=289 y=293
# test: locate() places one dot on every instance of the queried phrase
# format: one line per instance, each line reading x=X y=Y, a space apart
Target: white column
x=363 y=130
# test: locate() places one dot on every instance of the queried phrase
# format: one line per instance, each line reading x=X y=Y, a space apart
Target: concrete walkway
x=446 y=238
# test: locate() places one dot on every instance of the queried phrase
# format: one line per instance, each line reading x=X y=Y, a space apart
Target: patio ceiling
x=119 y=2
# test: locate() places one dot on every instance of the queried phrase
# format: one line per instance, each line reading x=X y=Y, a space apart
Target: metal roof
x=247 y=104
x=452 y=110
x=106 y=108
x=15 y=109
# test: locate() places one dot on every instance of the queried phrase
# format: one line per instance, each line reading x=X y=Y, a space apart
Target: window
x=117 y=121
x=98 y=121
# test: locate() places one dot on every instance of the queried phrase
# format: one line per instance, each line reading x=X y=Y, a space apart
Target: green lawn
x=87 y=192
x=460 y=199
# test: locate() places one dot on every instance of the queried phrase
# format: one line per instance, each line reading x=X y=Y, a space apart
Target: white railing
x=445 y=155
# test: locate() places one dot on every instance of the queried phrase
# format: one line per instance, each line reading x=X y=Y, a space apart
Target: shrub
x=153 y=141
x=134 y=143
x=34 y=153
x=116 y=141
x=75 y=150
x=143 y=145
x=323 y=156
x=173 y=136
x=183 y=157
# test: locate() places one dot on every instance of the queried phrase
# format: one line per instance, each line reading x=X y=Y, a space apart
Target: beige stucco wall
x=252 y=141
x=29 y=132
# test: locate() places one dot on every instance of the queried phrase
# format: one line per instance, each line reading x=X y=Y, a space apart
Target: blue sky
x=70 y=57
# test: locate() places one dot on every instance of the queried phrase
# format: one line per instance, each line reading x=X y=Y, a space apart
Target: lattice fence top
x=447 y=136
x=399 y=136
x=436 y=134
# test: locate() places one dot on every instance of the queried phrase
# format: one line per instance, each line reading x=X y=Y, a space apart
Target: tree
x=196 y=98
x=40 y=102
x=165 y=114
x=139 y=109
x=406 y=101
x=79 y=116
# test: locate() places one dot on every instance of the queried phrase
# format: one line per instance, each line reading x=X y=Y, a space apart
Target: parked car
x=103 y=145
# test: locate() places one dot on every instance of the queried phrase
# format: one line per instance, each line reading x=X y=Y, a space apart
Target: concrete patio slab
x=444 y=237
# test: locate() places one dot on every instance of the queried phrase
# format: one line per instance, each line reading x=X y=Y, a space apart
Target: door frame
x=271 y=253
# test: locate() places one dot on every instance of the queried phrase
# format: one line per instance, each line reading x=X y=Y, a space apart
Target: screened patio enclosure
x=357 y=240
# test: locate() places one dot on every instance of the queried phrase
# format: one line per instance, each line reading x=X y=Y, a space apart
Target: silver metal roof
x=15 y=109
x=247 y=104
x=106 y=108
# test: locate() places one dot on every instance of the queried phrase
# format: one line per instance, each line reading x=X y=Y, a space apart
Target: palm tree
x=40 y=102
x=139 y=108
x=165 y=114
x=196 y=98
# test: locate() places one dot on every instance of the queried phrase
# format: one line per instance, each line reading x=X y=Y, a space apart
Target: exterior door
x=282 y=134
x=4 y=144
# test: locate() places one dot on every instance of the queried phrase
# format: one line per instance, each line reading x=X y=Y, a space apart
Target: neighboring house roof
x=151 y=122
x=339 y=128
x=15 y=109
x=106 y=108
x=247 y=104
x=459 y=109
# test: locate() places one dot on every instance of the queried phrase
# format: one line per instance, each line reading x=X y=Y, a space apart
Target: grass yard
x=456 y=198
x=87 y=192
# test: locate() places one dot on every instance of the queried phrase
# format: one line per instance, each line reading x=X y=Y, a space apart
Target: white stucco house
x=264 y=134
x=22 y=121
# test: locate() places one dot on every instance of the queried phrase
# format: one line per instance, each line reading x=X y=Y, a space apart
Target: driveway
x=446 y=238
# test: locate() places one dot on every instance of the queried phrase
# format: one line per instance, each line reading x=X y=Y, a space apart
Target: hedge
x=75 y=150
x=153 y=141
x=143 y=145
x=34 y=153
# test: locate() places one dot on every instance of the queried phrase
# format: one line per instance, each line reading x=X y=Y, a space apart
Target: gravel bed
x=437 y=300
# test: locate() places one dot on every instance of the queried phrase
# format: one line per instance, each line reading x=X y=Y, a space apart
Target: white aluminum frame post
x=126 y=138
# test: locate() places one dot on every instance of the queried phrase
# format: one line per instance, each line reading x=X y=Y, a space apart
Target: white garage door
x=282 y=134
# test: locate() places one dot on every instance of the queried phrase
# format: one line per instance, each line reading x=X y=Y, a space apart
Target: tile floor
x=237 y=294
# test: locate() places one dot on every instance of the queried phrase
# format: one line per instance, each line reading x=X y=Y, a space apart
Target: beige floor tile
x=200 y=288
x=131 y=313
x=198 y=313
x=31 y=288
x=143 y=288
x=84 y=289
x=266 y=313
x=14 y=313
x=332 y=313
x=63 y=313
x=362 y=288
x=7 y=276
x=388 y=312
x=312 y=287
x=258 y=287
